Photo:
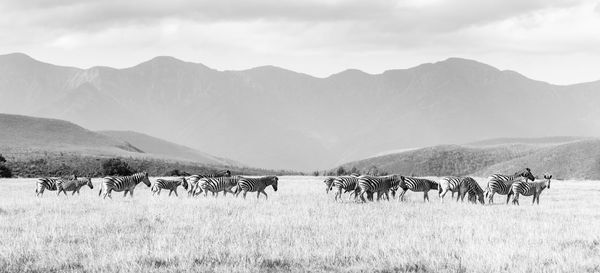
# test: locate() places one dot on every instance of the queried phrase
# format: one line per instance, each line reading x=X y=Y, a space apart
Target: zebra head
x=548 y=176
x=273 y=182
x=328 y=184
x=145 y=179
x=88 y=181
x=526 y=173
x=184 y=183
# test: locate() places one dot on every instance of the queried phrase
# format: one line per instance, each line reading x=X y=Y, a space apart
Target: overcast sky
x=552 y=40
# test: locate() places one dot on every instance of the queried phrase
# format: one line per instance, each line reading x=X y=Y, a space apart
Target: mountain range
x=275 y=118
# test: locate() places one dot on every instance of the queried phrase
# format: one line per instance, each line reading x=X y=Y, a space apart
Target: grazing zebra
x=470 y=186
x=170 y=185
x=328 y=183
x=501 y=184
x=73 y=185
x=417 y=185
x=218 y=184
x=448 y=183
x=122 y=183
x=346 y=183
x=48 y=183
x=530 y=188
x=376 y=184
x=193 y=184
x=257 y=185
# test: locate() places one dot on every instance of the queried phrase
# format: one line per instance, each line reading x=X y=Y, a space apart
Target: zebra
x=470 y=186
x=417 y=185
x=346 y=183
x=530 y=188
x=218 y=184
x=170 y=185
x=448 y=183
x=122 y=183
x=73 y=185
x=257 y=185
x=48 y=183
x=328 y=183
x=376 y=184
x=501 y=184
x=193 y=184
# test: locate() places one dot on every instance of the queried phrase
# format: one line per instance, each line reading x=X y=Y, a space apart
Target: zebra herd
x=194 y=184
x=520 y=183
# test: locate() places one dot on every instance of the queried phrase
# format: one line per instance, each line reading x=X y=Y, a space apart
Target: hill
x=167 y=149
x=23 y=132
x=276 y=118
x=565 y=158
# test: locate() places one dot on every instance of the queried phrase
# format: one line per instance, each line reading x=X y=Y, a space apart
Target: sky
x=557 y=41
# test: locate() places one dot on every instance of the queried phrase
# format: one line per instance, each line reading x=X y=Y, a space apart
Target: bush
x=5 y=171
x=116 y=166
x=2 y=159
x=316 y=173
x=176 y=172
x=340 y=171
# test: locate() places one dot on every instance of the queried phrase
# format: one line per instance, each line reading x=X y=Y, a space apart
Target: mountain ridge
x=276 y=118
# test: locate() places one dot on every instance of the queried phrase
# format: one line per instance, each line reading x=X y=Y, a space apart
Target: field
x=298 y=229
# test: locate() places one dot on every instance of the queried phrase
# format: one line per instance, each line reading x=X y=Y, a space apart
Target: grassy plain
x=298 y=229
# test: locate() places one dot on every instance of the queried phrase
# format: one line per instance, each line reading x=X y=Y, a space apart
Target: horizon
x=299 y=72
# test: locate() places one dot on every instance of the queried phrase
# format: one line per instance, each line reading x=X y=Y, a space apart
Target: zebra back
x=347 y=183
x=217 y=184
x=418 y=184
x=258 y=184
x=367 y=183
x=120 y=183
x=449 y=182
x=74 y=184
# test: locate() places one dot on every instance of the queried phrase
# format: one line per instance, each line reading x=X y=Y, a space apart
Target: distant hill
x=276 y=118
x=564 y=157
x=23 y=132
x=167 y=149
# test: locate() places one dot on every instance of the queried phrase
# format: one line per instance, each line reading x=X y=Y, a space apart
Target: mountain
x=30 y=133
x=24 y=136
x=167 y=149
x=275 y=118
x=564 y=157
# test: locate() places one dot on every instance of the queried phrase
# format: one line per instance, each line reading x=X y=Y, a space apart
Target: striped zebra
x=122 y=184
x=417 y=185
x=73 y=185
x=328 y=183
x=169 y=184
x=257 y=185
x=218 y=184
x=345 y=183
x=48 y=183
x=530 y=188
x=193 y=184
x=448 y=183
x=376 y=184
x=501 y=184
x=470 y=186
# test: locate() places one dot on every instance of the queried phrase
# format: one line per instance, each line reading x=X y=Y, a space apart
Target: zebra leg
x=491 y=197
x=175 y=191
x=425 y=196
x=508 y=196
x=338 y=193
x=442 y=193
x=245 y=191
x=266 y=196
x=387 y=196
x=516 y=199
x=402 y=194
x=171 y=191
x=131 y=193
x=125 y=194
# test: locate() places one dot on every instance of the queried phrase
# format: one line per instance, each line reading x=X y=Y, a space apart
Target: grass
x=298 y=229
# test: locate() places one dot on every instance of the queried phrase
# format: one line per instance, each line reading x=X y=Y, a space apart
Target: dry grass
x=298 y=229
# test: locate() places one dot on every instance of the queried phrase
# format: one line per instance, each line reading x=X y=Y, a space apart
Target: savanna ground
x=298 y=229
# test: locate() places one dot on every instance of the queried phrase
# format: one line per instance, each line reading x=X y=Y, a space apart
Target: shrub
x=2 y=159
x=340 y=171
x=176 y=172
x=116 y=166
x=5 y=171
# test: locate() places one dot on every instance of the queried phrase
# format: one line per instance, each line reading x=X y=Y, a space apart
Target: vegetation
x=116 y=166
x=5 y=171
x=299 y=229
